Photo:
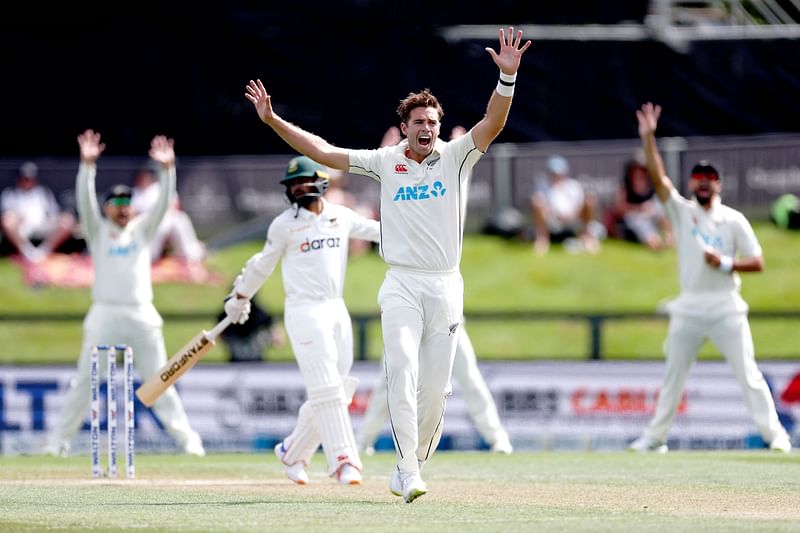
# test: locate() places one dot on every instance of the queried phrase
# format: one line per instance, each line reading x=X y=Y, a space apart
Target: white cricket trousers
x=420 y=316
x=730 y=334
x=477 y=397
x=321 y=335
x=177 y=228
x=138 y=326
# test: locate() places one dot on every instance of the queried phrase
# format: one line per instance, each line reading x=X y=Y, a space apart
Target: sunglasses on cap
x=711 y=176
x=704 y=169
x=119 y=201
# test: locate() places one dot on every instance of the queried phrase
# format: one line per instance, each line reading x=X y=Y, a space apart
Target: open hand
x=90 y=145
x=510 y=54
x=648 y=118
x=162 y=150
x=258 y=96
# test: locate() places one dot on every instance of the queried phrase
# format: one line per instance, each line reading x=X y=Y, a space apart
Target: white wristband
x=726 y=263
x=505 y=85
x=510 y=78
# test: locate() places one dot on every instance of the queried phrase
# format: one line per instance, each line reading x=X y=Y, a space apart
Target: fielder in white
x=122 y=310
x=424 y=183
x=477 y=397
x=311 y=240
x=715 y=243
x=176 y=228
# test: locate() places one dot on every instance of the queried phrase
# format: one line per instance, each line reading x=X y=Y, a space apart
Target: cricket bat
x=180 y=363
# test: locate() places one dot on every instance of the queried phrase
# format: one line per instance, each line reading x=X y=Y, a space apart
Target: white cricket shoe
x=395 y=485
x=413 y=487
x=368 y=450
x=781 y=443
x=646 y=445
x=348 y=475
x=194 y=446
x=502 y=445
x=297 y=471
x=56 y=449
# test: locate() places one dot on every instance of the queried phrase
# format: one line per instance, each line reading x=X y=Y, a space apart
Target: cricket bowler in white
x=424 y=182
x=311 y=239
x=122 y=310
x=714 y=243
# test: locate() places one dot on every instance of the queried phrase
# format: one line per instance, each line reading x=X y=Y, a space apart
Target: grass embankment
x=498 y=274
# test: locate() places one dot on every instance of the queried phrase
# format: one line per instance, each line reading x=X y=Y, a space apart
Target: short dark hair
x=424 y=98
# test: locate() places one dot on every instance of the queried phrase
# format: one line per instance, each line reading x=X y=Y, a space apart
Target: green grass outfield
x=543 y=491
x=498 y=275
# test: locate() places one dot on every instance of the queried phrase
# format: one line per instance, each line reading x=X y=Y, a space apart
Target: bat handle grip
x=219 y=328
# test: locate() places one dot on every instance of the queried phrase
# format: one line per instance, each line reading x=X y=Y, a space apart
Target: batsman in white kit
x=715 y=243
x=311 y=239
x=122 y=310
x=424 y=183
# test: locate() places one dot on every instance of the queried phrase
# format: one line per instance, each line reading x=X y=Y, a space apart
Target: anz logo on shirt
x=122 y=251
x=713 y=242
x=420 y=192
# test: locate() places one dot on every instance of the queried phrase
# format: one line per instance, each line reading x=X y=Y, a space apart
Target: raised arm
x=162 y=151
x=648 y=122
x=85 y=190
x=507 y=60
x=305 y=142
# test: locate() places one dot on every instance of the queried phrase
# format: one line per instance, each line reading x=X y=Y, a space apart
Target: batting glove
x=237 y=309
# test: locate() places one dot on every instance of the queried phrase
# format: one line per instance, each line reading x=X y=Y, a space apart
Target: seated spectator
x=176 y=232
x=32 y=221
x=562 y=210
x=247 y=342
x=637 y=215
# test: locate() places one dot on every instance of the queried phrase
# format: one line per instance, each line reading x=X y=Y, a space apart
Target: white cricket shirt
x=313 y=250
x=423 y=205
x=706 y=290
x=143 y=199
x=37 y=206
x=565 y=197
x=121 y=256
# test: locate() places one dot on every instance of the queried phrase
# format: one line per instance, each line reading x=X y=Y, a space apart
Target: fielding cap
x=558 y=165
x=304 y=167
x=117 y=191
x=704 y=167
x=29 y=170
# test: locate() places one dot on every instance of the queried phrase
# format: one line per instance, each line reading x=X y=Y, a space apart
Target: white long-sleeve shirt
x=313 y=250
x=705 y=290
x=121 y=256
x=423 y=205
x=37 y=208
